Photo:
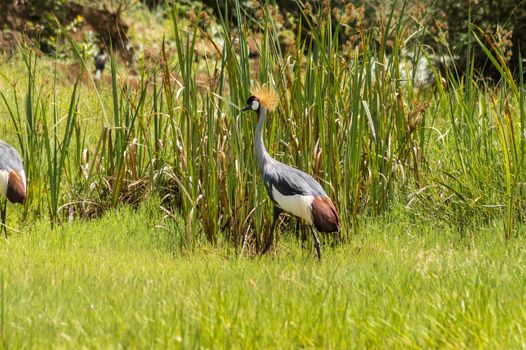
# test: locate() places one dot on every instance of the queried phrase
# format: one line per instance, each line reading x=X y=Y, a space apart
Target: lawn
x=118 y=282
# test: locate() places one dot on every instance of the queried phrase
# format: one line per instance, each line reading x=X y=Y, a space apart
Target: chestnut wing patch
x=324 y=215
x=16 y=189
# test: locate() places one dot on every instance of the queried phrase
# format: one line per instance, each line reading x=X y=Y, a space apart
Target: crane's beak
x=246 y=108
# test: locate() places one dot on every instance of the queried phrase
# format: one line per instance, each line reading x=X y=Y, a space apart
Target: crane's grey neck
x=262 y=155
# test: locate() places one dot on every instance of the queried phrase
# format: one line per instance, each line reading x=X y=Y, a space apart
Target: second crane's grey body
x=9 y=158
x=12 y=175
x=12 y=179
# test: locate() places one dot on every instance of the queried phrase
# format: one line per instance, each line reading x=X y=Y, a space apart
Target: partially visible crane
x=100 y=63
x=12 y=179
x=290 y=189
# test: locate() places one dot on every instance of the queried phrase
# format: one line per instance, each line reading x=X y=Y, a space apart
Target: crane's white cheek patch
x=297 y=205
x=4 y=178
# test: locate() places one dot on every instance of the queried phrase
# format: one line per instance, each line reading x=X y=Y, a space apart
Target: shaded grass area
x=118 y=282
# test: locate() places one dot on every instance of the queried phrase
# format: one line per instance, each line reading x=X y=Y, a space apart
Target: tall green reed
x=330 y=122
x=349 y=117
x=41 y=139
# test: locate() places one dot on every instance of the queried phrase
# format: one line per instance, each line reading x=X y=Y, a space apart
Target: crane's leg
x=270 y=237
x=316 y=242
x=337 y=239
x=4 y=211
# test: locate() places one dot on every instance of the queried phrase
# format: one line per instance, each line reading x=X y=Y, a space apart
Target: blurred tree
x=443 y=24
x=504 y=20
x=116 y=7
x=36 y=19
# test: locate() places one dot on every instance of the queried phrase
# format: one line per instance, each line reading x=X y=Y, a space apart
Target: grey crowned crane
x=290 y=189
x=100 y=63
x=12 y=179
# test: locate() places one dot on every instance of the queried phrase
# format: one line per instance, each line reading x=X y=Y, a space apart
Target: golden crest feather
x=267 y=97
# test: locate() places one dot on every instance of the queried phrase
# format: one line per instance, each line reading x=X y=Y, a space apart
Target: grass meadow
x=145 y=212
x=116 y=282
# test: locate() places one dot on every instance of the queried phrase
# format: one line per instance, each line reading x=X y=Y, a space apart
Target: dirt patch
x=109 y=28
x=36 y=20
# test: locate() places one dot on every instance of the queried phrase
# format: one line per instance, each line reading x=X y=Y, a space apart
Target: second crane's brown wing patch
x=16 y=190
x=324 y=215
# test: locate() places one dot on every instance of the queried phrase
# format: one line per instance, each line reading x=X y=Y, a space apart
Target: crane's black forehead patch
x=252 y=99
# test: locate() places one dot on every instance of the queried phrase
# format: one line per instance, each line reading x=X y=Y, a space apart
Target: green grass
x=117 y=282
